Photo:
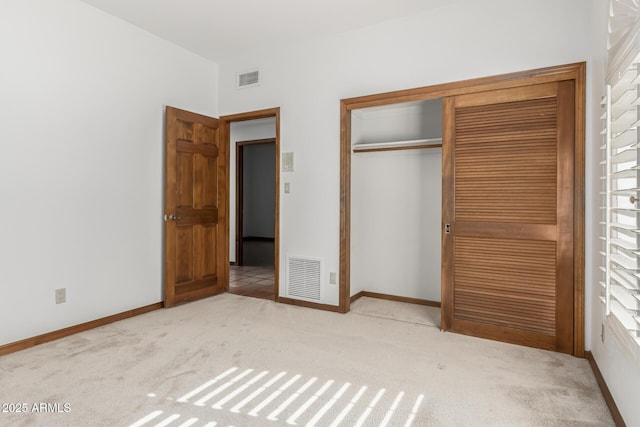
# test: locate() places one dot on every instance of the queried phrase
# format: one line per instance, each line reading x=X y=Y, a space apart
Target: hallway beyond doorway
x=252 y=281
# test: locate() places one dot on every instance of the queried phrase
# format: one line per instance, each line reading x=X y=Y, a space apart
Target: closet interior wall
x=396 y=200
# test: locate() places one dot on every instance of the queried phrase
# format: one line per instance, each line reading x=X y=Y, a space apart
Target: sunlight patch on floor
x=332 y=402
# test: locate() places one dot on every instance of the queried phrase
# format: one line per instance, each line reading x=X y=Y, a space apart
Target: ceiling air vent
x=248 y=79
x=304 y=278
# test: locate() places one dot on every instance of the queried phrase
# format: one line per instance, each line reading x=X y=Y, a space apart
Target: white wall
x=81 y=168
x=396 y=206
x=619 y=368
x=260 y=190
x=404 y=121
x=462 y=40
x=243 y=131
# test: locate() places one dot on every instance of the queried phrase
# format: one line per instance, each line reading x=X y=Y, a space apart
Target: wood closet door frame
x=569 y=72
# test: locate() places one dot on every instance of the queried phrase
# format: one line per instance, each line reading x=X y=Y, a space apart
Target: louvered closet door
x=508 y=197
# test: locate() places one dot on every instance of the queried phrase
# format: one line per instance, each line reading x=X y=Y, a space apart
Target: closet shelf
x=398 y=145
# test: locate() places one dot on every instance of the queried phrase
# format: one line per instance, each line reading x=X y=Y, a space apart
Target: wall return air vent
x=248 y=79
x=304 y=276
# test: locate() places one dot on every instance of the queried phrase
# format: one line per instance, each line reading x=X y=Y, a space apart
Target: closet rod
x=405 y=147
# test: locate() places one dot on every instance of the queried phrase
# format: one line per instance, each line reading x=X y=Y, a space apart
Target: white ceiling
x=216 y=29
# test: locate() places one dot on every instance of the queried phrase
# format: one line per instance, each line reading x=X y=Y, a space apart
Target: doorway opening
x=397 y=158
x=252 y=272
x=255 y=202
x=253 y=140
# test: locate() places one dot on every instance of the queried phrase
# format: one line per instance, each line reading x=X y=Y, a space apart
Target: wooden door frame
x=240 y=191
x=225 y=138
x=575 y=72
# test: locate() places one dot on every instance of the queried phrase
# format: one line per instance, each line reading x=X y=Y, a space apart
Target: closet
x=396 y=181
x=509 y=220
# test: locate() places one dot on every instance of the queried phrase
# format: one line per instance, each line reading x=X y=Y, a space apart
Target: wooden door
x=508 y=189
x=195 y=208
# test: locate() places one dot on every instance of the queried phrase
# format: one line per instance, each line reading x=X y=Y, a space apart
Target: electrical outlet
x=287 y=188
x=332 y=278
x=61 y=295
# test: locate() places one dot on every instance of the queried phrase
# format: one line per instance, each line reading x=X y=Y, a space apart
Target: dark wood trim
x=225 y=125
x=71 y=330
x=399 y=298
x=256 y=141
x=393 y=298
x=356 y=296
x=239 y=203
x=232 y=263
x=480 y=84
x=258 y=239
x=565 y=178
x=448 y=187
x=276 y=247
x=309 y=304
x=579 y=211
x=608 y=398
x=345 y=208
x=253 y=115
x=411 y=147
x=224 y=130
x=575 y=71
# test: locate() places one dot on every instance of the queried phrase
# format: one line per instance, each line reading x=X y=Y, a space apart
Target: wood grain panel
x=198 y=252
x=184 y=179
x=209 y=249
x=205 y=135
x=210 y=179
x=184 y=130
x=195 y=205
x=506 y=283
x=199 y=165
x=187 y=288
x=506 y=162
x=184 y=261
x=565 y=237
x=514 y=231
x=189 y=147
x=188 y=216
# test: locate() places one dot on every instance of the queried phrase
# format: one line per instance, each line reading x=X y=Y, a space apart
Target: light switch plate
x=287 y=188
x=61 y=295
x=287 y=162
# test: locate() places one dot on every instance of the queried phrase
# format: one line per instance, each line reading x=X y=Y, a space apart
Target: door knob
x=171 y=217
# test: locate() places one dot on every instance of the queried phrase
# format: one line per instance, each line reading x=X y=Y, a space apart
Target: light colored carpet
x=237 y=361
x=410 y=313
